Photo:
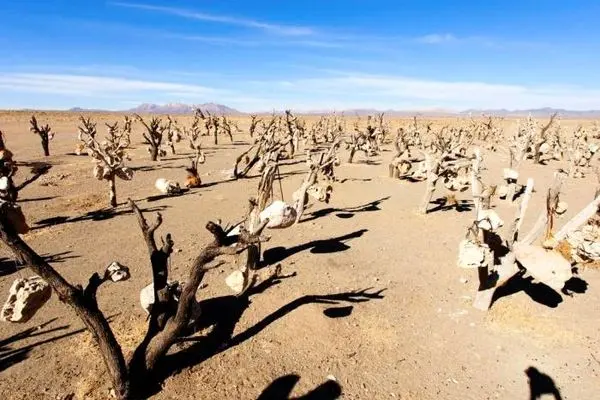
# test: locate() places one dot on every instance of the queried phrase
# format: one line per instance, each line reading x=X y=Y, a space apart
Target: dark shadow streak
x=347 y=212
x=223 y=314
x=184 y=192
x=98 y=215
x=9 y=356
x=539 y=292
x=334 y=245
x=460 y=206
x=36 y=199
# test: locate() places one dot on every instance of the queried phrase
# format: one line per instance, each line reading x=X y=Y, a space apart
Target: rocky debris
x=26 y=296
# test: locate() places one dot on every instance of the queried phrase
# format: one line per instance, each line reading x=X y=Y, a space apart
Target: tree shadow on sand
x=98 y=215
x=282 y=387
x=220 y=316
x=539 y=292
x=442 y=205
x=10 y=356
x=323 y=246
x=347 y=212
x=9 y=266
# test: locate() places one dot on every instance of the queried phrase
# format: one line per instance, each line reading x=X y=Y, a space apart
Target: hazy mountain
x=219 y=109
x=537 y=112
x=180 y=108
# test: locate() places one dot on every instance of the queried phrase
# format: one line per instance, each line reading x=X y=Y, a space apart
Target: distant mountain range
x=180 y=108
x=219 y=109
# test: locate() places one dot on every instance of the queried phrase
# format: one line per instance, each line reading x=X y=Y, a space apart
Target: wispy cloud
x=279 y=29
x=436 y=38
x=354 y=90
x=89 y=86
x=328 y=90
x=475 y=40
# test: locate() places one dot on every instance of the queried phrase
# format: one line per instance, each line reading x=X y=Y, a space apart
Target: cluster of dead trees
x=428 y=153
x=423 y=152
x=172 y=307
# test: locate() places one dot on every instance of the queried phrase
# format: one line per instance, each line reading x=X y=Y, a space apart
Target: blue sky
x=309 y=55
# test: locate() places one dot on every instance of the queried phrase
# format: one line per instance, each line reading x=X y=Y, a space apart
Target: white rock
x=502 y=191
x=472 y=255
x=166 y=186
x=547 y=266
x=544 y=148
x=4 y=183
x=147 y=294
x=489 y=220
x=118 y=272
x=25 y=298
x=236 y=281
x=510 y=174
x=280 y=215
x=589 y=250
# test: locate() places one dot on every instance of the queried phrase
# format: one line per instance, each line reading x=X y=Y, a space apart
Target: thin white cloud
x=89 y=86
x=436 y=38
x=285 y=30
x=331 y=90
x=350 y=90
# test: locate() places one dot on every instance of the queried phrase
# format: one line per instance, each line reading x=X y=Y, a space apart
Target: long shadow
x=323 y=246
x=460 y=206
x=37 y=199
x=356 y=180
x=38 y=169
x=537 y=291
x=98 y=215
x=148 y=168
x=10 y=356
x=9 y=266
x=541 y=384
x=281 y=389
x=347 y=212
x=59 y=257
x=184 y=192
x=209 y=184
x=223 y=314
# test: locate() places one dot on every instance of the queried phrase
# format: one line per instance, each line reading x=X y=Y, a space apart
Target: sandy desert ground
x=420 y=339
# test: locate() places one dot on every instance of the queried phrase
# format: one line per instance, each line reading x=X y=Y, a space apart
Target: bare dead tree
x=109 y=155
x=363 y=140
x=173 y=133
x=542 y=138
x=167 y=322
x=44 y=132
x=153 y=136
x=254 y=122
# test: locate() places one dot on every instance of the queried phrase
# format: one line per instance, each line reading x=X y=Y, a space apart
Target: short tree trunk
x=351 y=156
x=154 y=153
x=45 y=146
x=113 y=192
